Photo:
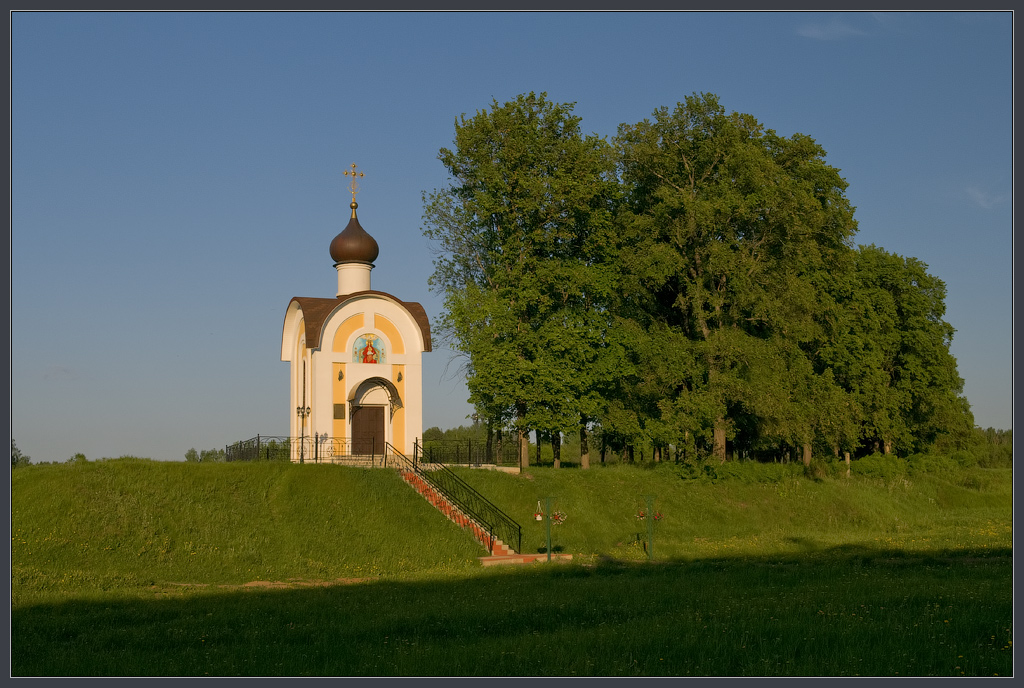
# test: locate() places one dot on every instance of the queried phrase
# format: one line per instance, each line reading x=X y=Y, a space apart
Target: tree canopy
x=692 y=286
x=523 y=235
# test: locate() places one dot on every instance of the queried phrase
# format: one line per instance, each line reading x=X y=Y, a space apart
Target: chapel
x=356 y=380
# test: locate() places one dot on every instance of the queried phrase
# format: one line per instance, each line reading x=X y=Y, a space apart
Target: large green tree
x=724 y=226
x=893 y=355
x=521 y=232
x=694 y=284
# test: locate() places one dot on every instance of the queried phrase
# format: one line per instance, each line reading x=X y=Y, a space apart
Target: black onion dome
x=354 y=244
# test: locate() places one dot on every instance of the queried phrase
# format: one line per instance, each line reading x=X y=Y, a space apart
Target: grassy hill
x=135 y=567
x=757 y=509
x=119 y=523
x=126 y=522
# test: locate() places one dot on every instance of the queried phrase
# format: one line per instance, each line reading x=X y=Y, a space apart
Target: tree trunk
x=536 y=455
x=584 y=447
x=556 y=448
x=846 y=455
x=719 y=446
x=807 y=453
x=524 y=441
x=887 y=447
x=604 y=446
x=490 y=442
x=497 y=443
x=524 y=449
x=629 y=453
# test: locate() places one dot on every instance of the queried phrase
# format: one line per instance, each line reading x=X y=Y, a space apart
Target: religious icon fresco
x=368 y=348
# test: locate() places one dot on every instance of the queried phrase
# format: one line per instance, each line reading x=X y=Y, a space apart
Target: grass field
x=132 y=567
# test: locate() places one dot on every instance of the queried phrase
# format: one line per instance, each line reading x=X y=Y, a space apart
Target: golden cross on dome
x=353 y=186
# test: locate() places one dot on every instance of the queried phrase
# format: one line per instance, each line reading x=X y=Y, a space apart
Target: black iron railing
x=468 y=453
x=461 y=494
x=260 y=449
x=315 y=449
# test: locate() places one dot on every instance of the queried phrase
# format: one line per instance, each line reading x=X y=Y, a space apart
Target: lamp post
x=303 y=412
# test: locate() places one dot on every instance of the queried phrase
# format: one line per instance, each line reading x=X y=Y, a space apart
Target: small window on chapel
x=368 y=348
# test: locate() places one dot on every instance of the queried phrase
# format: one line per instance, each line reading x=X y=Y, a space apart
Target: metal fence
x=468 y=453
x=315 y=449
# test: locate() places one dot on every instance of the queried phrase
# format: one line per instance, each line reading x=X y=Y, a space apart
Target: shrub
x=932 y=463
x=979 y=480
x=964 y=458
x=745 y=472
x=882 y=466
x=816 y=470
x=995 y=456
x=697 y=470
x=993 y=448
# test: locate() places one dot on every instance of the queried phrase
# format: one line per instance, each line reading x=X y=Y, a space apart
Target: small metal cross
x=353 y=186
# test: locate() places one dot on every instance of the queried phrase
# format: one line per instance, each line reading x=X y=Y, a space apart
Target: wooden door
x=368 y=430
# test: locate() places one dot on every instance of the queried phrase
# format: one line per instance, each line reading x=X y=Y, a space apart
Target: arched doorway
x=373 y=404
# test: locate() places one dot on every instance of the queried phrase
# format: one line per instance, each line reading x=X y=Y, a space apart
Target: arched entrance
x=373 y=403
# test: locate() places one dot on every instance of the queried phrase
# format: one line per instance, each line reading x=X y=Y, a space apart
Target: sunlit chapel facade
x=356 y=359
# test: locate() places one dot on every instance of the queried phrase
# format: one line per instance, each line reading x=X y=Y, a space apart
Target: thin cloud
x=59 y=373
x=832 y=31
x=984 y=199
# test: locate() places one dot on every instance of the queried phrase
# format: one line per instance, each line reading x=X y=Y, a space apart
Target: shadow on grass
x=554 y=548
x=868 y=612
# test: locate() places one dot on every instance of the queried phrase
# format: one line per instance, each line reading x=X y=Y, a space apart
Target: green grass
x=111 y=524
x=132 y=567
x=784 y=514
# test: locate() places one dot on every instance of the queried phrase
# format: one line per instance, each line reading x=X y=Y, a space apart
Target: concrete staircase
x=455 y=515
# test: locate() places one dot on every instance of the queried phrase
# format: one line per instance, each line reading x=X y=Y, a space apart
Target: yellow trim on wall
x=339 y=397
x=345 y=330
x=392 y=333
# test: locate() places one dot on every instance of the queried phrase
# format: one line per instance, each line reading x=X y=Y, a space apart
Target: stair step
x=439 y=502
x=496 y=560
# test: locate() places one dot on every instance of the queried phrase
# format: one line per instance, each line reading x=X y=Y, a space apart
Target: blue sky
x=177 y=179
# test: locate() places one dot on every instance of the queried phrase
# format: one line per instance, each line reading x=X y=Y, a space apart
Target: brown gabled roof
x=315 y=311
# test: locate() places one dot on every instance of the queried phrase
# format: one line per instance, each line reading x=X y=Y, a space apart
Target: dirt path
x=290 y=583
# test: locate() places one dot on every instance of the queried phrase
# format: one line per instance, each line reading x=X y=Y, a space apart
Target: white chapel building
x=356 y=359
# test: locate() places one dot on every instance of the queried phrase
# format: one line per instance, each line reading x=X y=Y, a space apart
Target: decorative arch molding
x=317 y=311
x=394 y=398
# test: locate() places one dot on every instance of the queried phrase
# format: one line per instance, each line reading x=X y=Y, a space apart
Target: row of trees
x=204 y=455
x=20 y=459
x=692 y=285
